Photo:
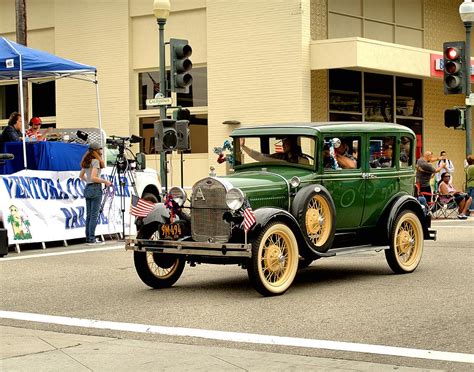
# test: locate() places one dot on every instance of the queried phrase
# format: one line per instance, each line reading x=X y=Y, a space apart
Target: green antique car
x=298 y=192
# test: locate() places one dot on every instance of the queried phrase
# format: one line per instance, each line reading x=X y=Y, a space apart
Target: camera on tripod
x=121 y=161
x=122 y=142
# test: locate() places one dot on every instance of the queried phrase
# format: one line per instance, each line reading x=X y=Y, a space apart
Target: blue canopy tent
x=18 y=62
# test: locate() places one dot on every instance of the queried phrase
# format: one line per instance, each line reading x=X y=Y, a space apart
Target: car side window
x=406 y=146
x=382 y=152
x=340 y=153
x=285 y=149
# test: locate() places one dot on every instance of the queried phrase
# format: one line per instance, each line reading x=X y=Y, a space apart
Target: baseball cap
x=35 y=120
x=95 y=146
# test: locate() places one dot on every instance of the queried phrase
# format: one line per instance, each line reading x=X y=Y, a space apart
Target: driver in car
x=291 y=152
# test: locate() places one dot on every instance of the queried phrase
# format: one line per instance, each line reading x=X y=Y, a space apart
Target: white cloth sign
x=42 y=206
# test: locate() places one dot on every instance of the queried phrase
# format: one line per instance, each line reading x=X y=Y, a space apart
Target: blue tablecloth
x=54 y=156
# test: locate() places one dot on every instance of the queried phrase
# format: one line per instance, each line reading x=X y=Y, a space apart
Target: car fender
x=395 y=207
x=265 y=215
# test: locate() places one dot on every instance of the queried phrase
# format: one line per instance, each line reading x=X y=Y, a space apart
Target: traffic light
x=180 y=65
x=171 y=135
x=453 y=57
x=454 y=118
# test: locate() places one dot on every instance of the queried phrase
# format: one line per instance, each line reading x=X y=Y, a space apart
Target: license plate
x=171 y=231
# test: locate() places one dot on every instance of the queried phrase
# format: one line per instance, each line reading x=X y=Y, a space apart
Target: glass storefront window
x=149 y=85
x=409 y=94
x=345 y=91
x=346 y=87
x=378 y=95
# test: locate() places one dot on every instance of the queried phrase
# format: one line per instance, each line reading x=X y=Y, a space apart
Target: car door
x=345 y=185
x=380 y=173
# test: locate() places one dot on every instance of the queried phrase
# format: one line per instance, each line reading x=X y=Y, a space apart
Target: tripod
x=122 y=170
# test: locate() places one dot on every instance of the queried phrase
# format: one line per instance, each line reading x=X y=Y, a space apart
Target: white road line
x=242 y=337
x=40 y=255
x=453 y=227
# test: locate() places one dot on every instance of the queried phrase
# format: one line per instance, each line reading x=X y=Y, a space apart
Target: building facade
x=254 y=62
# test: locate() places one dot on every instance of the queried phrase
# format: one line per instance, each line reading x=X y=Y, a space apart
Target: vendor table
x=44 y=155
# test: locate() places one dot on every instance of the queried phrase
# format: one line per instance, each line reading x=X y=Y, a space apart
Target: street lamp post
x=466 y=11
x=161 y=10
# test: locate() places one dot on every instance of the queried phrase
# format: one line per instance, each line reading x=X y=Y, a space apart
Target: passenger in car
x=291 y=152
x=344 y=159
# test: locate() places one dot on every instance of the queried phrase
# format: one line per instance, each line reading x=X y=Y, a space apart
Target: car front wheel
x=156 y=270
x=274 y=260
x=406 y=243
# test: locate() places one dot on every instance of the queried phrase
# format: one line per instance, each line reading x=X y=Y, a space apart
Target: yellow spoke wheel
x=274 y=260
x=406 y=243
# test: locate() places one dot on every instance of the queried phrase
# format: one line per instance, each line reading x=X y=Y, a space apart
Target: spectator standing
x=470 y=180
x=12 y=133
x=91 y=166
x=33 y=134
x=443 y=158
x=425 y=170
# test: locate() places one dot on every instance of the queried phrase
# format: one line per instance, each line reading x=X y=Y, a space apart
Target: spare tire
x=315 y=212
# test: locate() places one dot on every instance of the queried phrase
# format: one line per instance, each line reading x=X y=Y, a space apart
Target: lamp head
x=161 y=8
x=466 y=11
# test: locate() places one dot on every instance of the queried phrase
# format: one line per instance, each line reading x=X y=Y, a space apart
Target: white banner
x=42 y=206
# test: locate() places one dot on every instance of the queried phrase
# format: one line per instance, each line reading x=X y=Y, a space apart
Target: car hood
x=264 y=187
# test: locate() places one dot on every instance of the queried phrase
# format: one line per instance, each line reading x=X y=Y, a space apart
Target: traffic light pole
x=468 y=114
x=163 y=165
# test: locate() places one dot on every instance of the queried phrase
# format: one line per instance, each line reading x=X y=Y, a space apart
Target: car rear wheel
x=406 y=243
x=156 y=270
x=274 y=260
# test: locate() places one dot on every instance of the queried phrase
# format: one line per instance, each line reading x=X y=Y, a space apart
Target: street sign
x=470 y=100
x=159 y=101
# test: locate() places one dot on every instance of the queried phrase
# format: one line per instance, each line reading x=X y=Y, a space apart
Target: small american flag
x=249 y=216
x=141 y=207
x=279 y=147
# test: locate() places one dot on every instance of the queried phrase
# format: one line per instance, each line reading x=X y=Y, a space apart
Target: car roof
x=315 y=128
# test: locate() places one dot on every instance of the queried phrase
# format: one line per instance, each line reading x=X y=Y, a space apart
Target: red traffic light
x=452 y=53
x=452 y=67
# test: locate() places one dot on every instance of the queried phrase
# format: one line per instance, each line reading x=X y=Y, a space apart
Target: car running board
x=355 y=249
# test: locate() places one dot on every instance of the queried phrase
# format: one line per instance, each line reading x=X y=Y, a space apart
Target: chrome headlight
x=295 y=182
x=178 y=194
x=234 y=199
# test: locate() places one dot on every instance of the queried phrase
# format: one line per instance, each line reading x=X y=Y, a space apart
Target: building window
x=345 y=95
x=196 y=96
x=392 y=21
x=347 y=87
x=197 y=134
x=8 y=100
x=43 y=99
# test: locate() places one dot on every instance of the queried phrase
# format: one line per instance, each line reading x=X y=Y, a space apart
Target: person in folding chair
x=448 y=192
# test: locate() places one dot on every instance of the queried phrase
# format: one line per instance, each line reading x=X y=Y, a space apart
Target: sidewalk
x=35 y=350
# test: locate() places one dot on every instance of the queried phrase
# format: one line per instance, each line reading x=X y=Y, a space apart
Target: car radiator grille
x=207 y=208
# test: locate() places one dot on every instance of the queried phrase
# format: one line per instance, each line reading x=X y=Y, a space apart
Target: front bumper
x=190 y=248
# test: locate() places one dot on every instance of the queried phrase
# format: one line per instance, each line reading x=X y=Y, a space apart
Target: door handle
x=368 y=176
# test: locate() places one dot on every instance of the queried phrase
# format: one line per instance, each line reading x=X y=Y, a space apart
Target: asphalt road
x=353 y=298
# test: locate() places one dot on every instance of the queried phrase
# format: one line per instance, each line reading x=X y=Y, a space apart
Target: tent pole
x=22 y=112
x=96 y=82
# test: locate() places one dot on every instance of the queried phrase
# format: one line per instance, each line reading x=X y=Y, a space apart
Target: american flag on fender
x=249 y=216
x=141 y=207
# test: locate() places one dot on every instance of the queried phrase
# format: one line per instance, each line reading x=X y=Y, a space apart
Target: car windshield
x=282 y=149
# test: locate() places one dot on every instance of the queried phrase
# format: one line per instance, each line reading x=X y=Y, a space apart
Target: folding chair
x=446 y=207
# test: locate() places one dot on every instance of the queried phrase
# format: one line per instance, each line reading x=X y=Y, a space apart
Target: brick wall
x=258 y=64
